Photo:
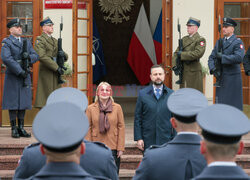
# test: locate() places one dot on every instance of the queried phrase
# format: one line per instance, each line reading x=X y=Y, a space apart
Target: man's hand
x=140 y=144
x=23 y=74
x=119 y=153
x=60 y=71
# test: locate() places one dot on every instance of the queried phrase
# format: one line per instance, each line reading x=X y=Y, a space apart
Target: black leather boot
x=21 y=131
x=14 y=131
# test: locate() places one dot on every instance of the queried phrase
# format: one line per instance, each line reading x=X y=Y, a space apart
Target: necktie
x=157 y=94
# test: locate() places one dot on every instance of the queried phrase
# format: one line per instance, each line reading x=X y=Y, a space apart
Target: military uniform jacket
x=62 y=170
x=15 y=94
x=230 y=90
x=193 y=49
x=46 y=47
x=246 y=61
x=178 y=159
x=222 y=173
x=97 y=161
x=152 y=117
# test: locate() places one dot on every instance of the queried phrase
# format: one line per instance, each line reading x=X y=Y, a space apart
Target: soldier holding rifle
x=51 y=59
x=17 y=53
x=224 y=64
x=186 y=59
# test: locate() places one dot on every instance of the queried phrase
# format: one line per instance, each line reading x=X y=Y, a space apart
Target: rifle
x=218 y=66
x=178 y=69
x=25 y=56
x=60 y=55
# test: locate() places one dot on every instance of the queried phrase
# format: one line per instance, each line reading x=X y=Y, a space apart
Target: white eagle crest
x=116 y=9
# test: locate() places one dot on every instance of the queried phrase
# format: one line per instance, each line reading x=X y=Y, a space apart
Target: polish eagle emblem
x=116 y=9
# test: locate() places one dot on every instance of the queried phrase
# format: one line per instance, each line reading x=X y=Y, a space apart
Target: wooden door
x=239 y=10
x=82 y=46
x=167 y=34
x=11 y=9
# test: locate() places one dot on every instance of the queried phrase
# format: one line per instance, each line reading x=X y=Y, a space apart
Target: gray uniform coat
x=230 y=90
x=152 y=117
x=178 y=159
x=97 y=161
x=193 y=49
x=15 y=95
x=222 y=173
x=46 y=47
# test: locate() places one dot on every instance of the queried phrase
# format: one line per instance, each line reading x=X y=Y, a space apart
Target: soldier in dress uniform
x=179 y=158
x=46 y=47
x=246 y=62
x=97 y=159
x=194 y=47
x=60 y=128
x=17 y=94
x=230 y=90
x=222 y=128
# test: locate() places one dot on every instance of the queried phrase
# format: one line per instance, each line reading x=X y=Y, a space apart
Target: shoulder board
x=157 y=146
x=100 y=144
x=33 y=145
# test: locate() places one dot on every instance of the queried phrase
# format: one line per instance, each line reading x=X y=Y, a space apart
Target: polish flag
x=141 y=55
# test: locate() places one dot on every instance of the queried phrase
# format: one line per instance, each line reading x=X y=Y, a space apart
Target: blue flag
x=99 y=69
x=158 y=40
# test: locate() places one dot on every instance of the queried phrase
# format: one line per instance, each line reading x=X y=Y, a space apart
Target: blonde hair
x=219 y=151
x=97 y=89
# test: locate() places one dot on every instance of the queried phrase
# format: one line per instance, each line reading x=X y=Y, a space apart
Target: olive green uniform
x=193 y=49
x=46 y=47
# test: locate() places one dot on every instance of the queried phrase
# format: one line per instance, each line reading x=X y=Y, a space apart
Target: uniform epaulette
x=33 y=145
x=101 y=144
x=157 y=146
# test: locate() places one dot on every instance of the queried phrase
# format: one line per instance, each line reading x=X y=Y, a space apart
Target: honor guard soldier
x=60 y=128
x=246 y=62
x=46 y=47
x=17 y=95
x=193 y=49
x=179 y=158
x=230 y=90
x=95 y=156
x=222 y=128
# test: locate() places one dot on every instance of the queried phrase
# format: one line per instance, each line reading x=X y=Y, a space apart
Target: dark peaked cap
x=229 y=22
x=60 y=125
x=185 y=103
x=223 y=124
x=13 y=23
x=69 y=94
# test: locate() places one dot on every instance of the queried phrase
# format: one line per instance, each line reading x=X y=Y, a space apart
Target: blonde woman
x=106 y=122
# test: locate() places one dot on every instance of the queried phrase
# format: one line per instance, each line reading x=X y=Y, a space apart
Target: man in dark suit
x=246 y=62
x=230 y=90
x=152 y=117
x=222 y=127
x=97 y=159
x=17 y=94
x=180 y=158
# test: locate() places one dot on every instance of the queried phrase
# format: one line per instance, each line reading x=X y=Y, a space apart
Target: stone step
x=7 y=174
x=243 y=160
x=12 y=149
x=9 y=162
x=130 y=161
x=126 y=174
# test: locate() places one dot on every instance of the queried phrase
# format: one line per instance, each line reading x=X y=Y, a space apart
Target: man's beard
x=158 y=83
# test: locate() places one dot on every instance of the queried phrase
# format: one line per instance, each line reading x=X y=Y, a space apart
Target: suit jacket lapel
x=48 y=39
x=15 y=41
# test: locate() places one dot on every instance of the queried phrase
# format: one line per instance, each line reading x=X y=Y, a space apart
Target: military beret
x=69 y=94
x=185 y=104
x=60 y=126
x=14 y=23
x=229 y=22
x=46 y=21
x=223 y=124
x=193 y=21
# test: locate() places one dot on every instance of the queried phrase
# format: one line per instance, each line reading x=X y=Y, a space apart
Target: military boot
x=22 y=131
x=14 y=131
